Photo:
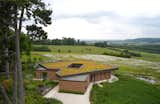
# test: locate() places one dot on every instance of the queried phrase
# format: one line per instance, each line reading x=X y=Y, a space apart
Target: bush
x=135 y=54
x=31 y=87
x=59 y=50
x=41 y=49
x=72 y=92
x=34 y=91
x=50 y=83
x=8 y=83
x=122 y=54
x=36 y=98
x=69 y=51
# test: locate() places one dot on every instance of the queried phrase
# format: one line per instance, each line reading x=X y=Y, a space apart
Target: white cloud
x=122 y=7
x=118 y=26
x=81 y=29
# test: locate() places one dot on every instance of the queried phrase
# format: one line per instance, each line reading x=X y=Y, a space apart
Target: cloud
x=104 y=19
x=121 y=7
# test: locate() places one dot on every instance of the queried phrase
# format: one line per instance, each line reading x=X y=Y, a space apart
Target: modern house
x=74 y=76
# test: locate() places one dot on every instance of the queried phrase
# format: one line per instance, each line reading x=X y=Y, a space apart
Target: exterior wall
x=38 y=74
x=95 y=76
x=98 y=76
x=76 y=86
x=50 y=74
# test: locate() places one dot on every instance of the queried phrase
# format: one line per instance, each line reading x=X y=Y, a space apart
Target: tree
x=101 y=44
x=26 y=44
x=18 y=12
x=36 y=33
x=5 y=20
x=37 y=10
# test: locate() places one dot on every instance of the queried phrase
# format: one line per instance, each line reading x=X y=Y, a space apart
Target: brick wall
x=73 y=85
x=51 y=74
x=38 y=74
x=98 y=76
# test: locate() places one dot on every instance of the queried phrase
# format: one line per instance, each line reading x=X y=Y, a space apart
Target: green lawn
x=126 y=91
x=139 y=71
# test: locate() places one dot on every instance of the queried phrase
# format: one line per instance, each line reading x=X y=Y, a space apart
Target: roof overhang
x=79 y=78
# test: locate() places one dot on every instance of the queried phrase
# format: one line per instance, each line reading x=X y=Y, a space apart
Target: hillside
x=144 y=40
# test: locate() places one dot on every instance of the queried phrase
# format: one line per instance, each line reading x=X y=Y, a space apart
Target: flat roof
x=88 y=66
x=76 y=78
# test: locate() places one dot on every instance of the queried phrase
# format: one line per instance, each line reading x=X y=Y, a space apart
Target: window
x=45 y=75
x=75 y=65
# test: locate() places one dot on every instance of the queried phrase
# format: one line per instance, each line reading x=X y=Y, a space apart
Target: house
x=74 y=76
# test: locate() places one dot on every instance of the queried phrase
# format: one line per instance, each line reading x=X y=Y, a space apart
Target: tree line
x=14 y=15
x=63 y=41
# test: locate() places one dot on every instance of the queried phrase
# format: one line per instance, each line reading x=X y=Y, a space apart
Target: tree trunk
x=4 y=94
x=19 y=70
x=15 y=84
x=5 y=48
x=6 y=55
x=18 y=62
x=7 y=63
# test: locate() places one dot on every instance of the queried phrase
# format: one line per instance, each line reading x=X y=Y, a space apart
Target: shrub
x=122 y=54
x=135 y=54
x=50 y=83
x=34 y=91
x=72 y=92
x=59 y=50
x=31 y=87
x=41 y=49
x=36 y=98
x=8 y=83
x=69 y=51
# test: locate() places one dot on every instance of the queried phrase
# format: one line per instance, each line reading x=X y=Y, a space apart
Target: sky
x=104 y=19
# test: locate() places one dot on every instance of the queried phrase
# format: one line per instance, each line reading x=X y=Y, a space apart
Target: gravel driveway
x=67 y=98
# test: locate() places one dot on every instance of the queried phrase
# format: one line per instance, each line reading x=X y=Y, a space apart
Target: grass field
x=149 y=57
x=95 y=50
x=77 y=49
x=135 y=65
x=126 y=91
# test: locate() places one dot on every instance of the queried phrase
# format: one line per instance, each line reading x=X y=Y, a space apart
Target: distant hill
x=144 y=40
x=151 y=45
x=134 y=41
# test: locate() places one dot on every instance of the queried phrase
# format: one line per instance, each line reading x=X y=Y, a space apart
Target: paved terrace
x=68 y=98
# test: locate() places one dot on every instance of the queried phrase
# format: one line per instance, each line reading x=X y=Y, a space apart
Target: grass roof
x=88 y=66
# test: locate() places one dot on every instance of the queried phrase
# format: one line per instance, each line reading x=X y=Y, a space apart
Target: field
x=147 y=65
x=129 y=89
x=76 y=49
x=126 y=91
x=95 y=50
x=150 y=47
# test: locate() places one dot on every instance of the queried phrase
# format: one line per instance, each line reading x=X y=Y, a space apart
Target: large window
x=45 y=75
